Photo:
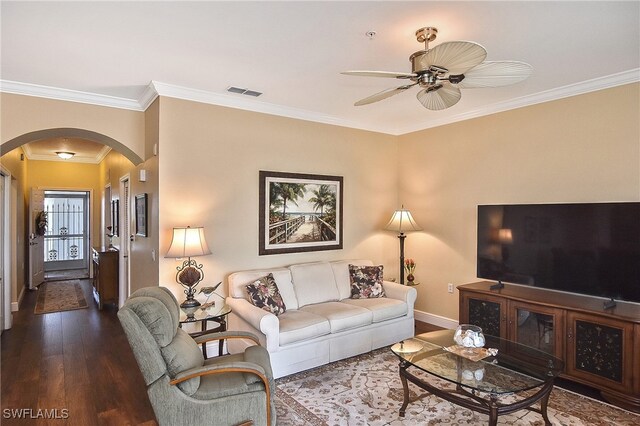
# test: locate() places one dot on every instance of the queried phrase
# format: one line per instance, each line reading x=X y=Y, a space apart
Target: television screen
x=591 y=249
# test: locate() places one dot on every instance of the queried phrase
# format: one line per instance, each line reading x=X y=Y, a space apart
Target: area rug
x=60 y=296
x=366 y=390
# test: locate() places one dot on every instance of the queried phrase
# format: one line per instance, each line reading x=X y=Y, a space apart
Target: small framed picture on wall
x=141 y=215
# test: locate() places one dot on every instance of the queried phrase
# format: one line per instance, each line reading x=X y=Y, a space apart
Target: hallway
x=76 y=360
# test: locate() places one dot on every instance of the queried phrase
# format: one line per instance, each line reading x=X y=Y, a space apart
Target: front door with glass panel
x=66 y=241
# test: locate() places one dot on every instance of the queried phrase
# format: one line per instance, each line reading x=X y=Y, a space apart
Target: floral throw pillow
x=264 y=294
x=366 y=282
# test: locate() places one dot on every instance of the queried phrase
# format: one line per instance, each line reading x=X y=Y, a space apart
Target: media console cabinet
x=600 y=347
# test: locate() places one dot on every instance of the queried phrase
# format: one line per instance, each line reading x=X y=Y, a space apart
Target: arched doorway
x=69 y=132
x=18 y=246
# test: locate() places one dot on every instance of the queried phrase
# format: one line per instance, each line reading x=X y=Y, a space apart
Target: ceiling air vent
x=244 y=91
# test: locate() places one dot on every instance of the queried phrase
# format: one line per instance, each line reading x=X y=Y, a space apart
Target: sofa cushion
x=343 y=277
x=366 y=281
x=282 y=277
x=314 y=283
x=340 y=315
x=297 y=325
x=183 y=354
x=264 y=294
x=382 y=308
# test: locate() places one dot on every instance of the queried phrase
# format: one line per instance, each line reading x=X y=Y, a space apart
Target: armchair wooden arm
x=208 y=337
x=229 y=367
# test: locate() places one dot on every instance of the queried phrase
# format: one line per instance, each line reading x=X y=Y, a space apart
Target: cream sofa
x=322 y=323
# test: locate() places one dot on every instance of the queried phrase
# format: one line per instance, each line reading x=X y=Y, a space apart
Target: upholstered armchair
x=183 y=388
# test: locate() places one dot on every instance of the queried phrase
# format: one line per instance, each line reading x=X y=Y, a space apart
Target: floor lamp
x=402 y=222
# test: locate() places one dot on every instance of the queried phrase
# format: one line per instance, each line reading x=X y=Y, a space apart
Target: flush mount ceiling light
x=65 y=155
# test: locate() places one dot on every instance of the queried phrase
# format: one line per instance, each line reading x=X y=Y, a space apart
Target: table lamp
x=188 y=242
x=402 y=222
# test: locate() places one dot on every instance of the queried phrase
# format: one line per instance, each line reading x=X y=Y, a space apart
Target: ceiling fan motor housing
x=419 y=64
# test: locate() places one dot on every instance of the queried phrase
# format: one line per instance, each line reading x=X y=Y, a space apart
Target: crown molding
x=75 y=159
x=149 y=95
x=103 y=153
x=593 y=85
x=247 y=104
x=47 y=92
x=156 y=88
x=26 y=149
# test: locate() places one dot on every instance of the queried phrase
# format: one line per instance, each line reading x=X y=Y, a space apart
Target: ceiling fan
x=445 y=69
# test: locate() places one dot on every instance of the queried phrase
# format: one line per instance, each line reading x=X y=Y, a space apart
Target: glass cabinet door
x=537 y=326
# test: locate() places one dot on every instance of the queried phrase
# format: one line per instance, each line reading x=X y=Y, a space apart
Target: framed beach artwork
x=299 y=212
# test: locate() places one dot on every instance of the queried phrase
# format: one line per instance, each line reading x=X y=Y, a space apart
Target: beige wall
x=585 y=148
x=580 y=149
x=144 y=254
x=209 y=161
x=20 y=115
x=123 y=130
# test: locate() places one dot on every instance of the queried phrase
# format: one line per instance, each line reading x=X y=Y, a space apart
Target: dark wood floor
x=81 y=361
x=76 y=360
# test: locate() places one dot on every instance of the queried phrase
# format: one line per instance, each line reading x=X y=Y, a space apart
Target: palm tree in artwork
x=321 y=198
x=283 y=193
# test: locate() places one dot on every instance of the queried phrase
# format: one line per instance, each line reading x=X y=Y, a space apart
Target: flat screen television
x=591 y=249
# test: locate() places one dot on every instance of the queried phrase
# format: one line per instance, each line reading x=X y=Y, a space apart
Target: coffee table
x=480 y=385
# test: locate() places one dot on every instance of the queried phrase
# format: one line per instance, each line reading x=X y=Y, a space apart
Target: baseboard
x=434 y=319
x=15 y=306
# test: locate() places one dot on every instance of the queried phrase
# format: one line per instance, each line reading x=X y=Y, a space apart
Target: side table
x=203 y=317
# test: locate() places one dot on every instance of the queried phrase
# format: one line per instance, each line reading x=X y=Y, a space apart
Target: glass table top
x=515 y=368
x=205 y=314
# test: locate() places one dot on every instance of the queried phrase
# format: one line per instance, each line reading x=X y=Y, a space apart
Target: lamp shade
x=188 y=242
x=402 y=221
x=505 y=236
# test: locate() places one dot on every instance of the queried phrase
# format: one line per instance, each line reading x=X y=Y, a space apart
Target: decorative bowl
x=469 y=336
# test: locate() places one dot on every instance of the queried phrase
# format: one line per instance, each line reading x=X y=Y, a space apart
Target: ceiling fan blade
x=439 y=97
x=386 y=74
x=456 y=56
x=383 y=95
x=496 y=74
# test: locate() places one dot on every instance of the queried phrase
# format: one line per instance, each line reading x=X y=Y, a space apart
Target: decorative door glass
x=535 y=329
x=66 y=238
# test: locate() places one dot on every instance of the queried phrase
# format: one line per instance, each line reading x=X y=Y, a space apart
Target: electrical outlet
x=450 y=288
